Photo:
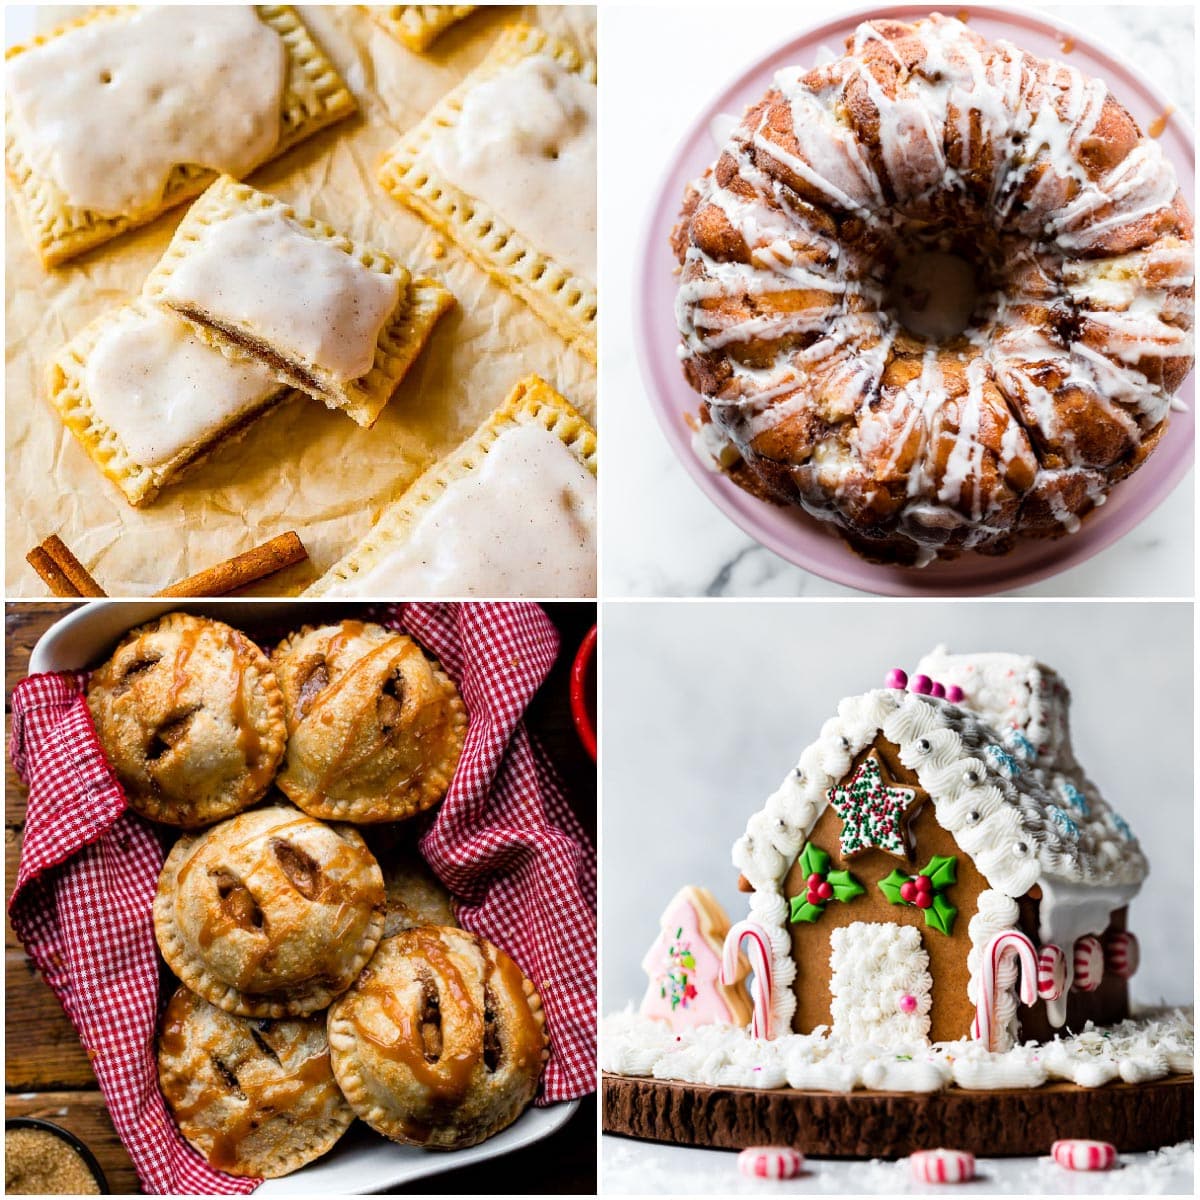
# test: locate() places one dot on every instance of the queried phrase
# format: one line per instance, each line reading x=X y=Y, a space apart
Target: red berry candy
x=813 y=880
x=814 y=897
x=924 y=883
x=923 y=900
x=825 y=890
x=908 y=891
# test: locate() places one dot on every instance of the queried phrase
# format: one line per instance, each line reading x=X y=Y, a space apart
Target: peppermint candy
x=759 y=954
x=770 y=1162
x=1052 y=971
x=942 y=1166
x=1078 y=1154
x=1121 y=954
x=1089 y=964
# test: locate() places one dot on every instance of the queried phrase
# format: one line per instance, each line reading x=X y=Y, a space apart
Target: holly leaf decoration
x=940 y=914
x=803 y=911
x=890 y=886
x=845 y=886
x=813 y=860
x=942 y=871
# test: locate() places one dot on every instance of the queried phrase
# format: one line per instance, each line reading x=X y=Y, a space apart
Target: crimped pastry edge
x=44 y=226
x=273 y=741
x=323 y=1134
x=401 y=339
x=562 y=299
x=531 y=401
x=368 y=811
x=348 y=1073
x=199 y=979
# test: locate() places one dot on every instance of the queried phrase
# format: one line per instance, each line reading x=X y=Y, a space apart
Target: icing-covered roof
x=1019 y=824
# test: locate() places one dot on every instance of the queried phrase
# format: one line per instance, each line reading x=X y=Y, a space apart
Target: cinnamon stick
x=283 y=551
x=61 y=571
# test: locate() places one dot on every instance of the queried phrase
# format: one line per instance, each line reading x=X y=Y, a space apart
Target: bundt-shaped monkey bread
x=853 y=208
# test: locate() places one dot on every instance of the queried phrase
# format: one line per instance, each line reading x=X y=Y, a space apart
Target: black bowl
x=67 y=1136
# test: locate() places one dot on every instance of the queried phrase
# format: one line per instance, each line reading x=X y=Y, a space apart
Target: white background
x=706 y=706
x=661 y=535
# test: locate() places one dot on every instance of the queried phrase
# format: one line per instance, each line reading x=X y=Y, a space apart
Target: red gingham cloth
x=505 y=841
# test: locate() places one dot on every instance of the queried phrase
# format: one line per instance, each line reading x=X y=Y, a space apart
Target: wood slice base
x=862 y=1124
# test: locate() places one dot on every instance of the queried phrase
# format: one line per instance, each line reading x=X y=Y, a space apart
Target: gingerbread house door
x=881 y=986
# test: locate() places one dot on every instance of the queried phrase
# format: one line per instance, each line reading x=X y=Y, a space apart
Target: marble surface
x=660 y=535
x=645 y=1167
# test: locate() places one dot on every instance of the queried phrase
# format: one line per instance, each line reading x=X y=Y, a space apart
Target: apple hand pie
x=441 y=1042
x=415 y=895
x=191 y=719
x=505 y=164
x=269 y=914
x=375 y=729
x=255 y=1097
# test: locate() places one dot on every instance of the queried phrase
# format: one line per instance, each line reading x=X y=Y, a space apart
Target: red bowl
x=583 y=692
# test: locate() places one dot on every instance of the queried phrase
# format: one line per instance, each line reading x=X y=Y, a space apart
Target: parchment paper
x=302 y=466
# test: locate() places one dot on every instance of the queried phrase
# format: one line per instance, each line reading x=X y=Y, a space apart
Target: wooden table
x=47 y=1073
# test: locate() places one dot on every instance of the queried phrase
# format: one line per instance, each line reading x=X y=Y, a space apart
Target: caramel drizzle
x=526 y=1042
x=249 y=741
x=1158 y=126
x=302 y=1090
x=447 y=1077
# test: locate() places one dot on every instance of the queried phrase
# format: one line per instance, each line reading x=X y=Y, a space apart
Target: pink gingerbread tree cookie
x=684 y=966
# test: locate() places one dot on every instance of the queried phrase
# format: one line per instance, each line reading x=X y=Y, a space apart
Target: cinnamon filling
x=301 y=869
x=237 y=901
x=492 y=1050
x=431 y=1022
x=314 y=684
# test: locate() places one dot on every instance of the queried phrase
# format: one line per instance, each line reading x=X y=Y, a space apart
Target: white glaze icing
x=164 y=391
x=525 y=144
x=261 y=274
x=521 y=524
x=966 y=111
x=109 y=109
x=1150 y=1045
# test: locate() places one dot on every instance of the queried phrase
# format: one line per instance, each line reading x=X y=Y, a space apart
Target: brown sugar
x=40 y=1163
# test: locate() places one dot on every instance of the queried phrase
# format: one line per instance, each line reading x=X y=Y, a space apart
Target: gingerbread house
x=937 y=866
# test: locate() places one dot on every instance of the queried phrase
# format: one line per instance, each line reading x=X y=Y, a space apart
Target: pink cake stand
x=791 y=533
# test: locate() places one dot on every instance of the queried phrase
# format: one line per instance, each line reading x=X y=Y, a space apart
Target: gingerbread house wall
x=952 y=1012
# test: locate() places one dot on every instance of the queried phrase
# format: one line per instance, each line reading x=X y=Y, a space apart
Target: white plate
x=362 y=1161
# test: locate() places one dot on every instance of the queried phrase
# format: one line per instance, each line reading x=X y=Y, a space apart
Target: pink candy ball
x=908 y=1003
x=896 y=678
x=954 y=694
x=937 y=691
x=922 y=685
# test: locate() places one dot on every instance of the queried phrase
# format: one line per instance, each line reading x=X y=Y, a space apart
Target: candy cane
x=1121 y=956
x=759 y=954
x=1010 y=942
x=1088 y=957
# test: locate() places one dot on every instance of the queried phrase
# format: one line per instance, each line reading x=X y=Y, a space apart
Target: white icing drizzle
x=263 y=275
x=108 y=110
x=796 y=323
x=525 y=144
x=162 y=390
x=1151 y=1045
x=521 y=524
